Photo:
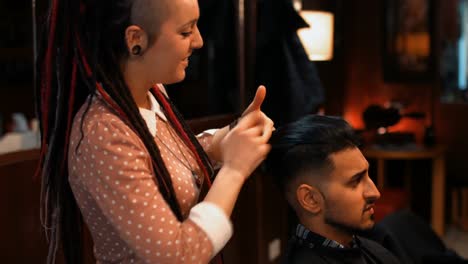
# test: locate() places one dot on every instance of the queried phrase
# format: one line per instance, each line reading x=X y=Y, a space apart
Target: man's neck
x=330 y=232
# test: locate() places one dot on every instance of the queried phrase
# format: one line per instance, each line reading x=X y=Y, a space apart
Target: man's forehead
x=348 y=162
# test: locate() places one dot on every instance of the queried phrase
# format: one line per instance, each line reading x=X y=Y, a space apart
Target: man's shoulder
x=301 y=253
x=377 y=250
x=298 y=253
x=368 y=243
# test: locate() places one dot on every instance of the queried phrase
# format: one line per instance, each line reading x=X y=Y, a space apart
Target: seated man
x=325 y=178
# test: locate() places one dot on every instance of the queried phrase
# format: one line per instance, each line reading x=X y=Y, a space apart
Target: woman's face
x=167 y=58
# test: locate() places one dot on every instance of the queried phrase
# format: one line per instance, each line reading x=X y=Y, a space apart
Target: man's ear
x=309 y=198
x=136 y=36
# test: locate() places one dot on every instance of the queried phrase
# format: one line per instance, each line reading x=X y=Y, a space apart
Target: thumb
x=257 y=101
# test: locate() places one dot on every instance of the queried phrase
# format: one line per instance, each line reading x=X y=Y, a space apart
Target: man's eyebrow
x=358 y=175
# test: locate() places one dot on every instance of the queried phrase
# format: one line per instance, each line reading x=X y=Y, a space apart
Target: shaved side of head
x=314 y=177
x=149 y=15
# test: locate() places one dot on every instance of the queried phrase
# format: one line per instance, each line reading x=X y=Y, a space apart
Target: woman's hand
x=245 y=146
x=241 y=149
x=215 y=151
x=256 y=102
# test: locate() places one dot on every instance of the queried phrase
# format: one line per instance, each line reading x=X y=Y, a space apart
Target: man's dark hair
x=306 y=145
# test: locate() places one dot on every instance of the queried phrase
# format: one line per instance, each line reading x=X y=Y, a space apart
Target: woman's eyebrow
x=191 y=22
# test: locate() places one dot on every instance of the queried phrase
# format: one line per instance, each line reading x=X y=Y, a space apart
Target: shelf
x=19 y=156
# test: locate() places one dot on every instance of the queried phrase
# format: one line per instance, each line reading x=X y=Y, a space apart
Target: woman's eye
x=186 y=34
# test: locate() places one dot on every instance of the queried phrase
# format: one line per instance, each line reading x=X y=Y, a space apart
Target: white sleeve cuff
x=214 y=222
x=209 y=132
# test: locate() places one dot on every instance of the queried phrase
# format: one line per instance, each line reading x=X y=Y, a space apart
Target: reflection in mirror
x=454 y=51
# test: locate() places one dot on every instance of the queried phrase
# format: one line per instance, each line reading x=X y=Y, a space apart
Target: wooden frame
x=408 y=41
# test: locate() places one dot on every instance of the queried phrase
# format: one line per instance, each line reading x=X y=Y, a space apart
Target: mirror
x=454 y=51
x=407 y=36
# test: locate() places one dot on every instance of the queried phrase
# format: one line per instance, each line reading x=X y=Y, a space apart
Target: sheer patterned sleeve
x=118 y=175
x=206 y=139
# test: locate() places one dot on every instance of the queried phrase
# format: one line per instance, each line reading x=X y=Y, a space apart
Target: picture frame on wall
x=408 y=49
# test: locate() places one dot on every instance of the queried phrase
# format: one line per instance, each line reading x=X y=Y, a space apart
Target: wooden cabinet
x=23 y=239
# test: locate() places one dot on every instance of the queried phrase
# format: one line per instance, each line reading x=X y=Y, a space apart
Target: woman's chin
x=180 y=76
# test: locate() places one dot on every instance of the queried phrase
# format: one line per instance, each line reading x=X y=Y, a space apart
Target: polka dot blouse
x=111 y=176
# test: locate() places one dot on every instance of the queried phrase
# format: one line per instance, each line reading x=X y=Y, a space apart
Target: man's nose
x=371 y=192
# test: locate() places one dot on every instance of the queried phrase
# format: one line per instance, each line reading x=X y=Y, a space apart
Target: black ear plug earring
x=136 y=50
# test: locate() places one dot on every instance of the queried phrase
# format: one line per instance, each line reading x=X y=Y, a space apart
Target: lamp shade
x=318 y=38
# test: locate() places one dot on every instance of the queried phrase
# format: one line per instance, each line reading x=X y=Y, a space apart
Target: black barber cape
x=306 y=247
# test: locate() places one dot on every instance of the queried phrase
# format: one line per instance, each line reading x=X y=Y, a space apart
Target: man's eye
x=186 y=34
x=355 y=182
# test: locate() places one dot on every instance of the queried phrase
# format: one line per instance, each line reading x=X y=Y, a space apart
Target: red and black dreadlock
x=78 y=58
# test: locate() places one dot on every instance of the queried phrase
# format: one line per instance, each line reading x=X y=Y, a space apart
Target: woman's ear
x=136 y=40
x=309 y=198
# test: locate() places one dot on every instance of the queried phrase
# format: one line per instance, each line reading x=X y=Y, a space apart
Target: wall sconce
x=318 y=38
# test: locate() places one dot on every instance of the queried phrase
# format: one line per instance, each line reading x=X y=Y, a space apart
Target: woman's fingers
x=263 y=131
x=257 y=101
x=267 y=131
x=250 y=120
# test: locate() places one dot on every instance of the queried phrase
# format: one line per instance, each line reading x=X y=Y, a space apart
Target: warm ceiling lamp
x=318 y=38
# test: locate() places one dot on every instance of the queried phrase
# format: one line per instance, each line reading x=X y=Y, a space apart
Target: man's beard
x=347 y=228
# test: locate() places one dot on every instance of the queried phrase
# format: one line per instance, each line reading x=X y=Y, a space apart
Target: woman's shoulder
x=95 y=118
x=95 y=111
